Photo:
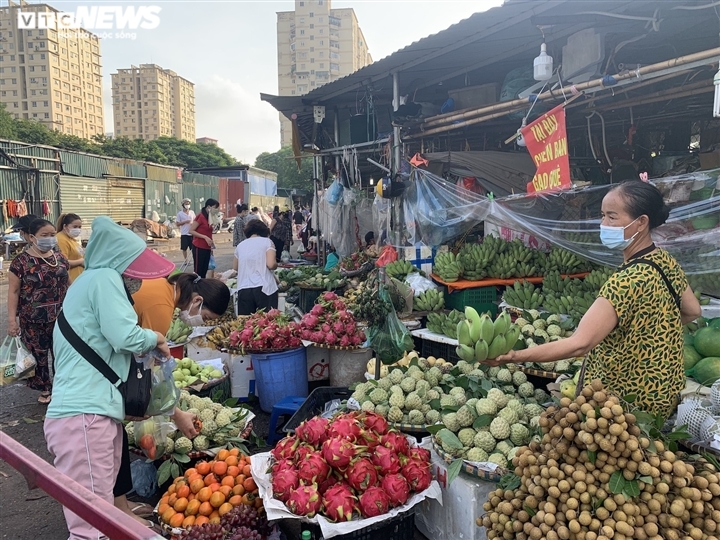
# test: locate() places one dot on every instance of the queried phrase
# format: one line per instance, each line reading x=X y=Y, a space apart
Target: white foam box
x=199 y=352
x=242 y=376
x=282 y=297
x=318 y=363
x=462 y=504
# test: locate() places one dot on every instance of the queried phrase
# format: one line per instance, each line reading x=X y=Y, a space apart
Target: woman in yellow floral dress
x=633 y=333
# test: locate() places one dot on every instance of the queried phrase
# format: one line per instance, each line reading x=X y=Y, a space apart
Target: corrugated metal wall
x=39 y=190
x=37 y=157
x=199 y=188
x=126 y=199
x=160 y=173
x=76 y=164
x=162 y=197
x=86 y=197
x=134 y=169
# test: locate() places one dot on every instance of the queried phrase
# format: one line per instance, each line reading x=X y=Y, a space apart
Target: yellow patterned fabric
x=643 y=355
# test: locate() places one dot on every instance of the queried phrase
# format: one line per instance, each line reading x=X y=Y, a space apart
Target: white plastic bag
x=285 y=256
x=24 y=360
x=419 y=283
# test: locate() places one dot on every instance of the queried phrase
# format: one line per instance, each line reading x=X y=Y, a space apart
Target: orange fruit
x=233 y=470
x=220 y=468
x=258 y=503
x=164 y=499
x=215 y=520
x=232 y=460
x=183 y=492
x=225 y=508
x=225 y=490
x=205 y=509
x=222 y=454
x=191 y=497
x=176 y=520
x=171 y=489
x=181 y=504
x=235 y=500
x=204 y=494
x=202 y=467
x=250 y=484
x=239 y=479
x=192 y=508
x=234 y=452
x=173 y=499
x=228 y=481
x=210 y=478
x=197 y=485
x=168 y=514
x=201 y=520
x=189 y=521
x=162 y=508
x=247 y=458
x=239 y=489
x=194 y=477
x=246 y=470
x=249 y=499
x=214 y=487
x=216 y=499
x=190 y=472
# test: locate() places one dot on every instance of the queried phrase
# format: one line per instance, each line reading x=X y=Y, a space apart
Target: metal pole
x=396 y=129
x=336 y=126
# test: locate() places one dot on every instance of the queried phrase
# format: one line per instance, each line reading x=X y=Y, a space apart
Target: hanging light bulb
x=716 y=105
x=543 y=65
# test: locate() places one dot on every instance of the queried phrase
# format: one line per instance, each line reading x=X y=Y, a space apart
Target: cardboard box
x=242 y=377
x=710 y=160
x=318 y=363
x=200 y=352
x=462 y=504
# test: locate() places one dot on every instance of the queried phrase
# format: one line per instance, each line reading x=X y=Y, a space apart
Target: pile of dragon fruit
x=330 y=323
x=267 y=331
x=350 y=467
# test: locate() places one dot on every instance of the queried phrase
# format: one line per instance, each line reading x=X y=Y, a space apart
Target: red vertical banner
x=546 y=140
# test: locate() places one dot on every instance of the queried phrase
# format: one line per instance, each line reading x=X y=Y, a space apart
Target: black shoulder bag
x=135 y=390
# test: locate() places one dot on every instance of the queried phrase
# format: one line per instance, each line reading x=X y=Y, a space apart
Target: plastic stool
x=288 y=405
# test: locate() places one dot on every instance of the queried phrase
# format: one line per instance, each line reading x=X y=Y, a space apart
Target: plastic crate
x=401 y=527
x=315 y=404
x=439 y=350
x=481 y=298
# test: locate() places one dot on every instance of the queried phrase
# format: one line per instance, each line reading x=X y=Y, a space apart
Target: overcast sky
x=228 y=50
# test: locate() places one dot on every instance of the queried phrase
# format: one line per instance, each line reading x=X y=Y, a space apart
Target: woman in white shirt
x=254 y=262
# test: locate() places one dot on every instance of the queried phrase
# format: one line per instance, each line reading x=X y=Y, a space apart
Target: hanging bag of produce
x=334 y=193
x=164 y=394
x=387 y=256
x=391 y=339
x=15 y=360
x=24 y=360
x=151 y=435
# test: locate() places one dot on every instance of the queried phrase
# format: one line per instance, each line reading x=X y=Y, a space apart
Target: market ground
x=32 y=514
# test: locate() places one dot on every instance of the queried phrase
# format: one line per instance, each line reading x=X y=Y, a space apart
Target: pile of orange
x=209 y=490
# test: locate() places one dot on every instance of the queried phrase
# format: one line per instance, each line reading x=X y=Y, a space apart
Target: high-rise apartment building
x=50 y=75
x=151 y=102
x=316 y=44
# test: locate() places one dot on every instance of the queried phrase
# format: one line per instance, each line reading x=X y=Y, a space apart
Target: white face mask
x=192 y=320
x=186 y=206
x=74 y=233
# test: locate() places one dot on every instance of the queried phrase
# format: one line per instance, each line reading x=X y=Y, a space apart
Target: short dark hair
x=644 y=199
x=257 y=227
x=242 y=208
x=38 y=224
x=23 y=223
x=208 y=204
x=215 y=294
x=254 y=209
x=369 y=236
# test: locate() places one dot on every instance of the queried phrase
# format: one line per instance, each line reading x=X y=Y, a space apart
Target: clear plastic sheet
x=438 y=211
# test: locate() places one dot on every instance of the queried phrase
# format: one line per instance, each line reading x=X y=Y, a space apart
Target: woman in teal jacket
x=83 y=425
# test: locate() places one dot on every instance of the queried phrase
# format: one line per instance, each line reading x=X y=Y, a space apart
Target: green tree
x=7 y=124
x=283 y=163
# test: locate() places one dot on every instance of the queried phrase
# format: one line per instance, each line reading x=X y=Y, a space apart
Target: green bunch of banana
x=447 y=267
x=475 y=258
x=597 y=278
x=450 y=323
x=399 y=269
x=480 y=338
x=435 y=322
x=524 y=295
x=504 y=266
x=430 y=300
x=178 y=331
x=564 y=261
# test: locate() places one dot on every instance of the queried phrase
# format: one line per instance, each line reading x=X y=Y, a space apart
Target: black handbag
x=135 y=390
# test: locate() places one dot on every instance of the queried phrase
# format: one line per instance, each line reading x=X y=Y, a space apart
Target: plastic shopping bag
x=392 y=339
x=419 y=283
x=164 y=395
x=211 y=264
x=151 y=435
x=388 y=255
x=15 y=360
x=334 y=193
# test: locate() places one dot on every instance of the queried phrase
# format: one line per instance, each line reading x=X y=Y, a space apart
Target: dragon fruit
x=328 y=483
x=419 y=454
x=374 y=502
x=338 y=327
x=294 y=342
x=310 y=320
x=325 y=328
x=313 y=431
x=374 y=422
x=284 y=482
x=338 y=452
x=282 y=465
x=396 y=441
x=329 y=297
x=350 y=329
x=302 y=452
x=285 y=449
x=361 y=474
x=331 y=338
x=345 y=427
x=397 y=489
x=305 y=501
x=318 y=310
x=279 y=343
x=345 y=316
x=339 y=503
x=418 y=474
x=345 y=341
x=386 y=460
x=339 y=305
x=313 y=469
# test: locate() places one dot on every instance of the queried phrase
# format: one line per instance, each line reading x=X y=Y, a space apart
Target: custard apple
x=526 y=390
x=516 y=406
x=432 y=394
x=541 y=395
x=424 y=364
x=484 y=440
x=477 y=455
x=173 y=435
x=216 y=407
x=448 y=401
x=539 y=324
x=221 y=438
x=130 y=430
x=562 y=366
x=397 y=399
x=432 y=381
x=534 y=313
x=535 y=422
x=209 y=427
x=519 y=434
x=503 y=447
x=554 y=319
x=554 y=330
x=504 y=376
x=396 y=389
x=169 y=446
x=499 y=428
x=509 y=389
x=527 y=330
x=416 y=418
x=183 y=445
x=194 y=411
x=472 y=403
x=457 y=391
x=413 y=402
x=451 y=422
x=466 y=436
x=396 y=376
x=413 y=369
x=512 y=368
x=499 y=397
x=418 y=375
x=521 y=322
x=533 y=409
x=519 y=378
x=509 y=415
x=512 y=453
x=425 y=408
x=485 y=406
x=465 y=367
x=385 y=383
x=498 y=458
x=465 y=416
x=368 y=406
x=395 y=415
x=432 y=417
x=378 y=396
x=407 y=384
x=435 y=373
x=359 y=396
x=479 y=373
x=207 y=415
x=448 y=379
x=446 y=368
x=382 y=409
x=201 y=443
x=223 y=418
x=492 y=372
x=422 y=388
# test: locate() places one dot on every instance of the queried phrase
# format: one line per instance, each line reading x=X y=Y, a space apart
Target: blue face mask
x=614 y=237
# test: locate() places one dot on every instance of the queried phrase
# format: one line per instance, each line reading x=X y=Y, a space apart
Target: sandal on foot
x=45 y=398
x=141 y=509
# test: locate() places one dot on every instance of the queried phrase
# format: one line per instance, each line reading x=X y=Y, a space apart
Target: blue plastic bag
x=334 y=193
x=144 y=478
x=211 y=265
